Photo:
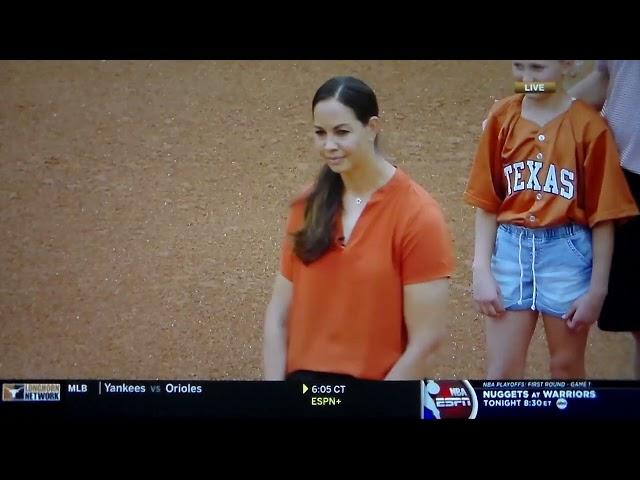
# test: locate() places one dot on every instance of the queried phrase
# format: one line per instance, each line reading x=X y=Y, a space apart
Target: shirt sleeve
x=485 y=185
x=427 y=252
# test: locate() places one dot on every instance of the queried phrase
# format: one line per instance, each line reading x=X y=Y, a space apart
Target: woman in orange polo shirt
x=363 y=285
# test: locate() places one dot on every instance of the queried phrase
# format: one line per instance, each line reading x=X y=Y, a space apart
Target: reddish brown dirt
x=142 y=204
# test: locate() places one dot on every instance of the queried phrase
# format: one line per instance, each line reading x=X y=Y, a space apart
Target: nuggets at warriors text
x=30 y=392
x=534 y=393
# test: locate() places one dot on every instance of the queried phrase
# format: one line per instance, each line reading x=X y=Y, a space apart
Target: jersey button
x=539 y=156
x=541 y=137
x=539 y=196
x=532 y=218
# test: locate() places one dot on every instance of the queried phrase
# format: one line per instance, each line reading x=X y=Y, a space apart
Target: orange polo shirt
x=346 y=314
x=566 y=171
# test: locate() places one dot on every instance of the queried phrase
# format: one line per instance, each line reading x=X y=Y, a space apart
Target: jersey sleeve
x=607 y=194
x=485 y=186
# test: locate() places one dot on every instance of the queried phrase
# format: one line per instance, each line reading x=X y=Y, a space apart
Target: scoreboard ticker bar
x=410 y=400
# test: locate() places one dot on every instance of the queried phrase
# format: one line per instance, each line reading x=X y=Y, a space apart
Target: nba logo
x=445 y=399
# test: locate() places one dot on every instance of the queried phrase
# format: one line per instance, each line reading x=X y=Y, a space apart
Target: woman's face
x=339 y=137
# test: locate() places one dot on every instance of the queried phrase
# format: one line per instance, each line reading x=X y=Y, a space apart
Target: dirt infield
x=142 y=205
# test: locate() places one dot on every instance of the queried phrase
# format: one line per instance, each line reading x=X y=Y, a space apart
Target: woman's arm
x=592 y=89
x=275 y=330
x=426 y=309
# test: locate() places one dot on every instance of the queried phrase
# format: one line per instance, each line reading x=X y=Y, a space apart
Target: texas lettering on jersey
x=528 y=175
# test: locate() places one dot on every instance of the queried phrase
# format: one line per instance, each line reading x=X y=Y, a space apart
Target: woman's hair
x=325 y=199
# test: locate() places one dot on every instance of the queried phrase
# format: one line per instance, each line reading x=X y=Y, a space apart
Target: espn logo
x=444 y=399
x=453 y=402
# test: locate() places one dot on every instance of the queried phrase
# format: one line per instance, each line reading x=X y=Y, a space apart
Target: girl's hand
x=584 y=312
x=486 y=293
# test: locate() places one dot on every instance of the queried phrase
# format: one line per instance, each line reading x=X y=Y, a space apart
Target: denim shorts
x=543 y=269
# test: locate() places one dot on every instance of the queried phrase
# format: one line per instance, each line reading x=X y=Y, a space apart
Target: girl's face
x=339 y=137
x=540 y=71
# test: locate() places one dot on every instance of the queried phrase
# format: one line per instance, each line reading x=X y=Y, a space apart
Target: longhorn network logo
x=30 y=392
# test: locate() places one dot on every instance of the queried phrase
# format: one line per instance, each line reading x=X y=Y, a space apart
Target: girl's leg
x=508 y=341
x=566 y=348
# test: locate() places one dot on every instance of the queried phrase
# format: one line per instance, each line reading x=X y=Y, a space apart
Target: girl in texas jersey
x=547 y=185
